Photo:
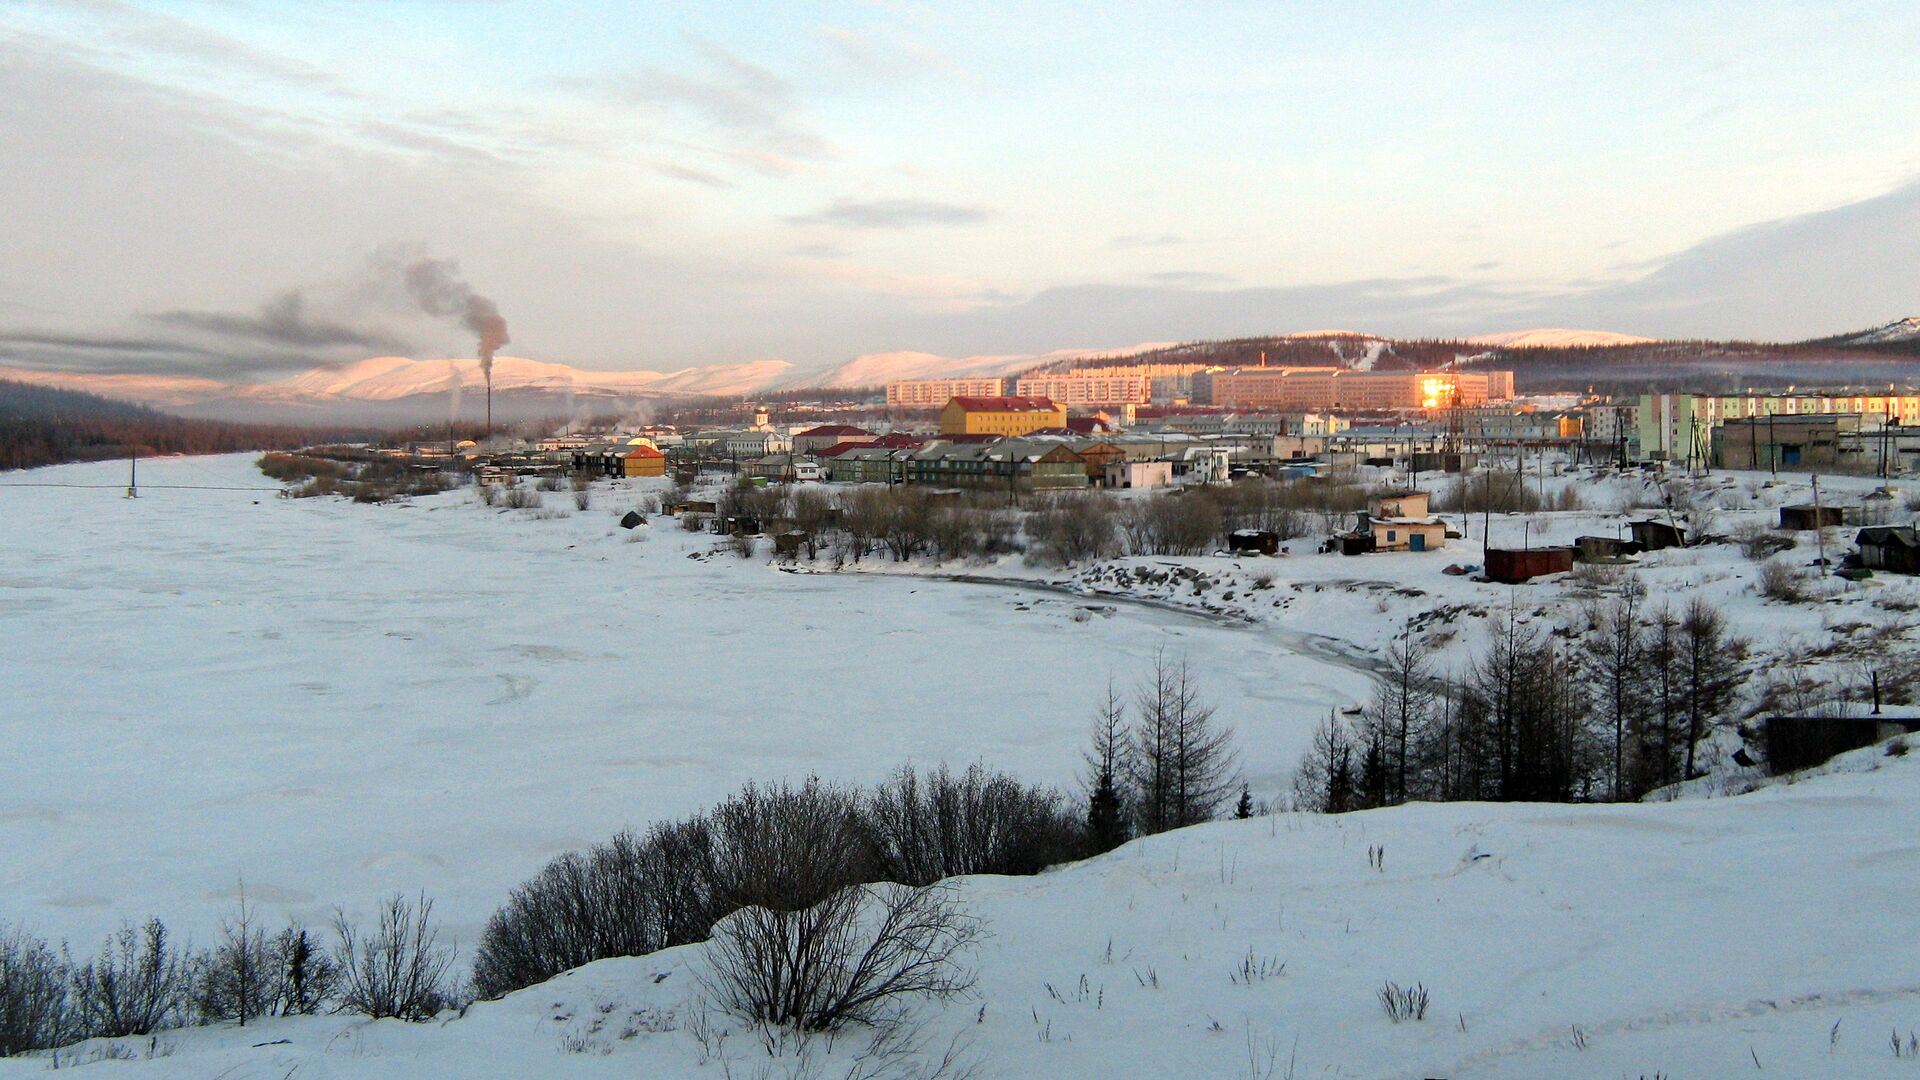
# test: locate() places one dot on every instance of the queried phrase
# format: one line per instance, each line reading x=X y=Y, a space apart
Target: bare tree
x=1710 y=660
x=1616 y=656
x=238 y=983
x=399 y=969
x=1401 y=710
x=1108 y=822
x=1183 y=765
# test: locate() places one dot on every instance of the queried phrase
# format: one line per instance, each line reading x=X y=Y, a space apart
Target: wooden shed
x=1655 y=535
x=1256 y=541
x=1892 y=548
x=1511 y=566
x=1602 y=549
x=1801 y=518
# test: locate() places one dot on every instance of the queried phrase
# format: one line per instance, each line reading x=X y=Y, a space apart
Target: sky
x=233 y=189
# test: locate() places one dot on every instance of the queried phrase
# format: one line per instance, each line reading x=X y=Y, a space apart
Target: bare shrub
x=626 y=897
x=1568 y=498
x=1781 y=580
x=1073 y=528
x=1759 y=543
x=787 y=848
x=582 y=498
x=138 y=984
x=399 y=969
x=742 y=544
x=35 y=1011
x=942 y=825
x=1495 y=491
x=551 y=482
x=693 y=522
x=1404 y=1002
x=520 y=497
x=855 y=957
x=1173 y=524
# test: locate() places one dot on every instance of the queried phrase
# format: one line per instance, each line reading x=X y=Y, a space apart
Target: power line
x=117 y=487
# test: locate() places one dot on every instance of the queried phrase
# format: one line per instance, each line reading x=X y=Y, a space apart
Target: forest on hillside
x=40 y=425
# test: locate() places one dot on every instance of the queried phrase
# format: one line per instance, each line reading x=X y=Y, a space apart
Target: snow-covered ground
x=1769 y=934
x=332 y=701
x=329 y=701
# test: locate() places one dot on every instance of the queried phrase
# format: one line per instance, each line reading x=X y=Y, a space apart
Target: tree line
x=1609 y=711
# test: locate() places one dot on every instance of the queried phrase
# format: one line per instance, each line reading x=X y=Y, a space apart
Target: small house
x=1657 y=535
x=1512 y=566
x=1408 y=534
x=1138 y=474
x=1803 y=518
x=1399 y=522
x=1892 y=548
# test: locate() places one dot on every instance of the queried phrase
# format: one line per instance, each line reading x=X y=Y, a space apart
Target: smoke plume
x=436 y=286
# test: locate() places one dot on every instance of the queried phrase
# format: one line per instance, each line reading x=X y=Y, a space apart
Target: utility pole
x=1819 y=527
x=133 y=470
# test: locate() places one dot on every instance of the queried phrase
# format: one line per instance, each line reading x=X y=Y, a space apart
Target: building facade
x=1312 y=389
x=934 y=393
x=1093 y=386
x=1005 y=416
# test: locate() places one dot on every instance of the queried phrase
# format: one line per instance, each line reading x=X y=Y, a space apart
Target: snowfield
x=329 y=702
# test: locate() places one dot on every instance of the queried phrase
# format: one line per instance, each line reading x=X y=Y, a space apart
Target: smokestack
x=436 y=286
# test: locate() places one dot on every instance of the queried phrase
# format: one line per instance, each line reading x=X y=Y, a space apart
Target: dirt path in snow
x=1329 y=650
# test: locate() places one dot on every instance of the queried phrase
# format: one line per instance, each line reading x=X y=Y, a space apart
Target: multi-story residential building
x=869 y=465
x=1025 y=463
x=1679 y=427
x=1092 y=386
x=1008 y=416
x=1320 y=388
x=934 y=393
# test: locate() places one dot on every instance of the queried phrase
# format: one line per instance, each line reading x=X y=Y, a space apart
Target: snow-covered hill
x=1699 y=938
x=1897 y=331
x=874 y=369
x=1557 y=339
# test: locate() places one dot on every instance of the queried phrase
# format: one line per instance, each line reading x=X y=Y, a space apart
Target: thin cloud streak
x=892 y=214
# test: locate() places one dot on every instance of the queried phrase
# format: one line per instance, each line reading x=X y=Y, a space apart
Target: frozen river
x=329 y=702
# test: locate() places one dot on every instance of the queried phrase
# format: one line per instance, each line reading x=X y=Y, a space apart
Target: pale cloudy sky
x=222 y=187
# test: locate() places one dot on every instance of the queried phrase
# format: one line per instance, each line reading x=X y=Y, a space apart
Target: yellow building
x=1010 y=416
x=643 y=461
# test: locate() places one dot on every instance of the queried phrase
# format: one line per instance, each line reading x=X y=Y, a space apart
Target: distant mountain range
x=401 y=390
